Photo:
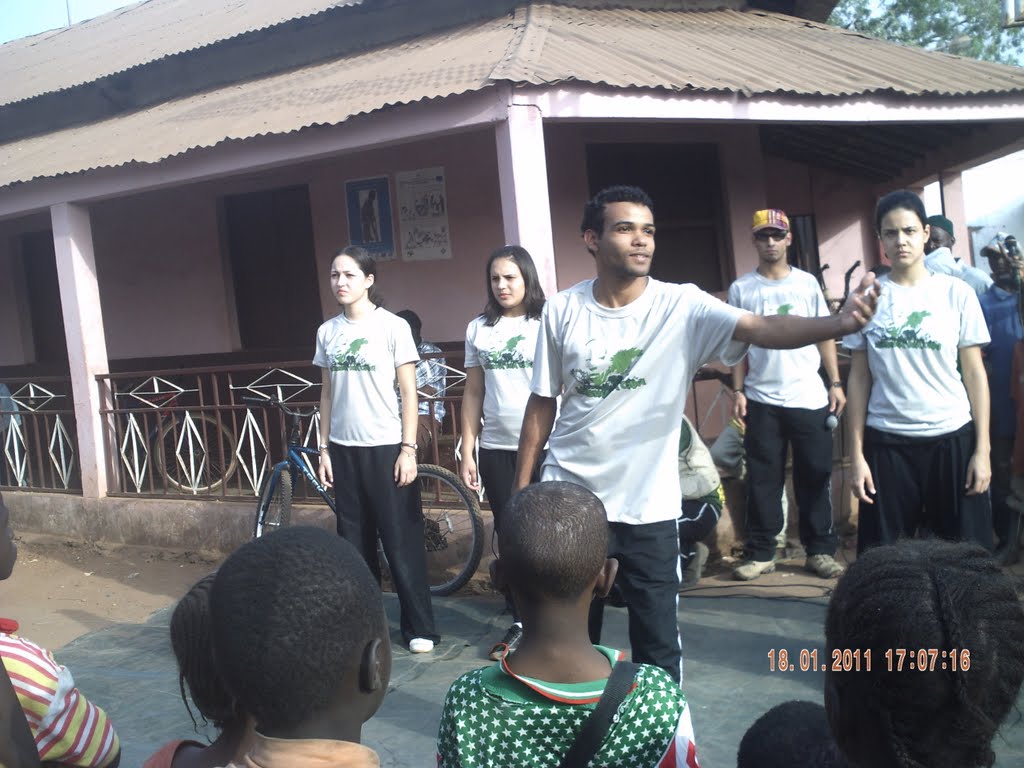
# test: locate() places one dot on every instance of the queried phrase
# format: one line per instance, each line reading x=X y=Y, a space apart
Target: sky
x=20 y=18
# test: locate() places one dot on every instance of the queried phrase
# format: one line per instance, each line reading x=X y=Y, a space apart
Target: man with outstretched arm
x=621 y=350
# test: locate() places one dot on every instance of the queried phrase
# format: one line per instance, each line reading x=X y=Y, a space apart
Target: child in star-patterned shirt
x=527 y=709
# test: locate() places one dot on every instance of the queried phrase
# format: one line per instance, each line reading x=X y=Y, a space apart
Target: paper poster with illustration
x=368 y=203
x=423 y=215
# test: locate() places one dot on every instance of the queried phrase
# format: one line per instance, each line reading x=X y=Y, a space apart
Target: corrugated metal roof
x=134 y=35
x=748 y=52
x=752 y=53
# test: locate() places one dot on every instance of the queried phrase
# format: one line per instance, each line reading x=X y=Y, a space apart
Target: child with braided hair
x=192 y=642
x=895 y=601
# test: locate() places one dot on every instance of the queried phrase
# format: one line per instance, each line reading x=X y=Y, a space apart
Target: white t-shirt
x=505 y=352
x=942 y=261
x=623 y=375
x=362 y=358
x=785 y=377
x=912 y=346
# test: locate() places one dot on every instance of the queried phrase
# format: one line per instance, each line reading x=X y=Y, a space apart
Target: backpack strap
x=589 y=739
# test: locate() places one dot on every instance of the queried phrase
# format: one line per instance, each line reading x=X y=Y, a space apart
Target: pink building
x=174 y=179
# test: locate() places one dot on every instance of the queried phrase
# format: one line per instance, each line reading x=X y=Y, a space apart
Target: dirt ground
x=61 y=589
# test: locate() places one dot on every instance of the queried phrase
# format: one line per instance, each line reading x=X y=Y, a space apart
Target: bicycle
x=452 y=526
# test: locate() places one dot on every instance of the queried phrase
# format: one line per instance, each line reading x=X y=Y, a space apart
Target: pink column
x=83 y=327
x=951 y=185
x=523 y=178
x=743 y=172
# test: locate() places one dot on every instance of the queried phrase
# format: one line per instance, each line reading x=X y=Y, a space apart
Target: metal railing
x=38 y=435
x=189 y=432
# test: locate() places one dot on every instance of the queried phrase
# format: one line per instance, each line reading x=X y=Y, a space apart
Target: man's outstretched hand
x=859 y=307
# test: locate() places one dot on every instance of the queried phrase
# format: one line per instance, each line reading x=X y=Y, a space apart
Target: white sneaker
x=751 y=569
x=421 y=645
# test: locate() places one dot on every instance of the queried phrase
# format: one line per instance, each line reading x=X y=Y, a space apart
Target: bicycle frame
x=295 y=462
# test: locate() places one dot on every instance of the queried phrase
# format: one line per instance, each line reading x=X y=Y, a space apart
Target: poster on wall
x=369 y=216
x=423 y=215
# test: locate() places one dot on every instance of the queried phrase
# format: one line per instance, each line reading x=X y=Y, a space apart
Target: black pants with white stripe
x=648 y=579
x=697 y=521
x=370 y=504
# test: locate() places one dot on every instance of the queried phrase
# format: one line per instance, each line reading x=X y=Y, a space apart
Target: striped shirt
x=68 y=729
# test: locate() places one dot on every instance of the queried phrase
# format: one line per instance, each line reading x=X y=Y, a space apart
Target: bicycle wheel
x=452 y=530
x=191 y=461
x=275 y=508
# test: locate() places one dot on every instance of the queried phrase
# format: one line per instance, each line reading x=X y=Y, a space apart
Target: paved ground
x=728 y=631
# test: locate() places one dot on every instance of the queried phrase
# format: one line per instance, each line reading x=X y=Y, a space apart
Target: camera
x=1012 y=247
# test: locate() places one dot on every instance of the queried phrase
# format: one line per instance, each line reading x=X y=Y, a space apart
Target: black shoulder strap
x=589 y=739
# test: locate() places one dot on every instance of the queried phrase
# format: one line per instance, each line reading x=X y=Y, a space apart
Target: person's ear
x=498 y=578
x=606 y=578
x=590 y=238
x=371 y=668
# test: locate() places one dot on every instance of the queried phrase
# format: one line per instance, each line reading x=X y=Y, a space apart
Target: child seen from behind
x=301 y=640
x=528 y=709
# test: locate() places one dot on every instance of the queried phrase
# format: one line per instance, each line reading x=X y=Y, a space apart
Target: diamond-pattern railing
x=192 y=432
x=38 y=437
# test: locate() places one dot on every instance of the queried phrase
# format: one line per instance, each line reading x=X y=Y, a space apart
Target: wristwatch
x=836 y=385
x=414 y=446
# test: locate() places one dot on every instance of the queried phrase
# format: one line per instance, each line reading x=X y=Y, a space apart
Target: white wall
x=994 y=199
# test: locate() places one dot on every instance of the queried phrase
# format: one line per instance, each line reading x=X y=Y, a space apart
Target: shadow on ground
x=129 y=670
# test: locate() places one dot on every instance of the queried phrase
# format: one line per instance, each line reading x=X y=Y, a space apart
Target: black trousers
x=698 y=519
x=648 y=579
x=370 y=504
x=497 y=470
x=919 y=484
x=1003 y=517
x=771 y=429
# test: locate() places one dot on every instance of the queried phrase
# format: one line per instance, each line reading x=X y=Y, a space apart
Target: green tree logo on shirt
x=784 y=309
x=909 y=335
x=351 y=360
x=601 y=383
x=507 y=357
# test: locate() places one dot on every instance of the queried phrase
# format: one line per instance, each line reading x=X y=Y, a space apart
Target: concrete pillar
x=951 y=187
x=745 y=192
x=87 y=345
x=523 y=179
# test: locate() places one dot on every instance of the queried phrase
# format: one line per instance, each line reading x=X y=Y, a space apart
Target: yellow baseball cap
x=771 y=218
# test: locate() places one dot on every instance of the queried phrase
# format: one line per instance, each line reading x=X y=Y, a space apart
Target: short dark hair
x=293 y=612
x=534 y=298
x=901 y=199
x=192 y=642
x=412 y=319
x=367 y=265
x=919 y=595
x=593 y=210
x=553 y=540
x=794 y=734
x=415 y=324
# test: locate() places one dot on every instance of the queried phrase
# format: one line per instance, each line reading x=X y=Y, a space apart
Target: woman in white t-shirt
x=919 y=439
x=500 y=345
x=368 y=437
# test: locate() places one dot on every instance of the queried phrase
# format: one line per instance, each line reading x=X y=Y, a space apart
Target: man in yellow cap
x=784 y=403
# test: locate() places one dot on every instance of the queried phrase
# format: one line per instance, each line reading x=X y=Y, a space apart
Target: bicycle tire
x=453 y=531
x=213 y=476
x=275 y=508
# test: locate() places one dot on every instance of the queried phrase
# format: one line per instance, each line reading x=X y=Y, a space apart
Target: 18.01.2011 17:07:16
x=846 y=660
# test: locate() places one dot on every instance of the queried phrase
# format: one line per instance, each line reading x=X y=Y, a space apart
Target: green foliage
x=965 y=27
